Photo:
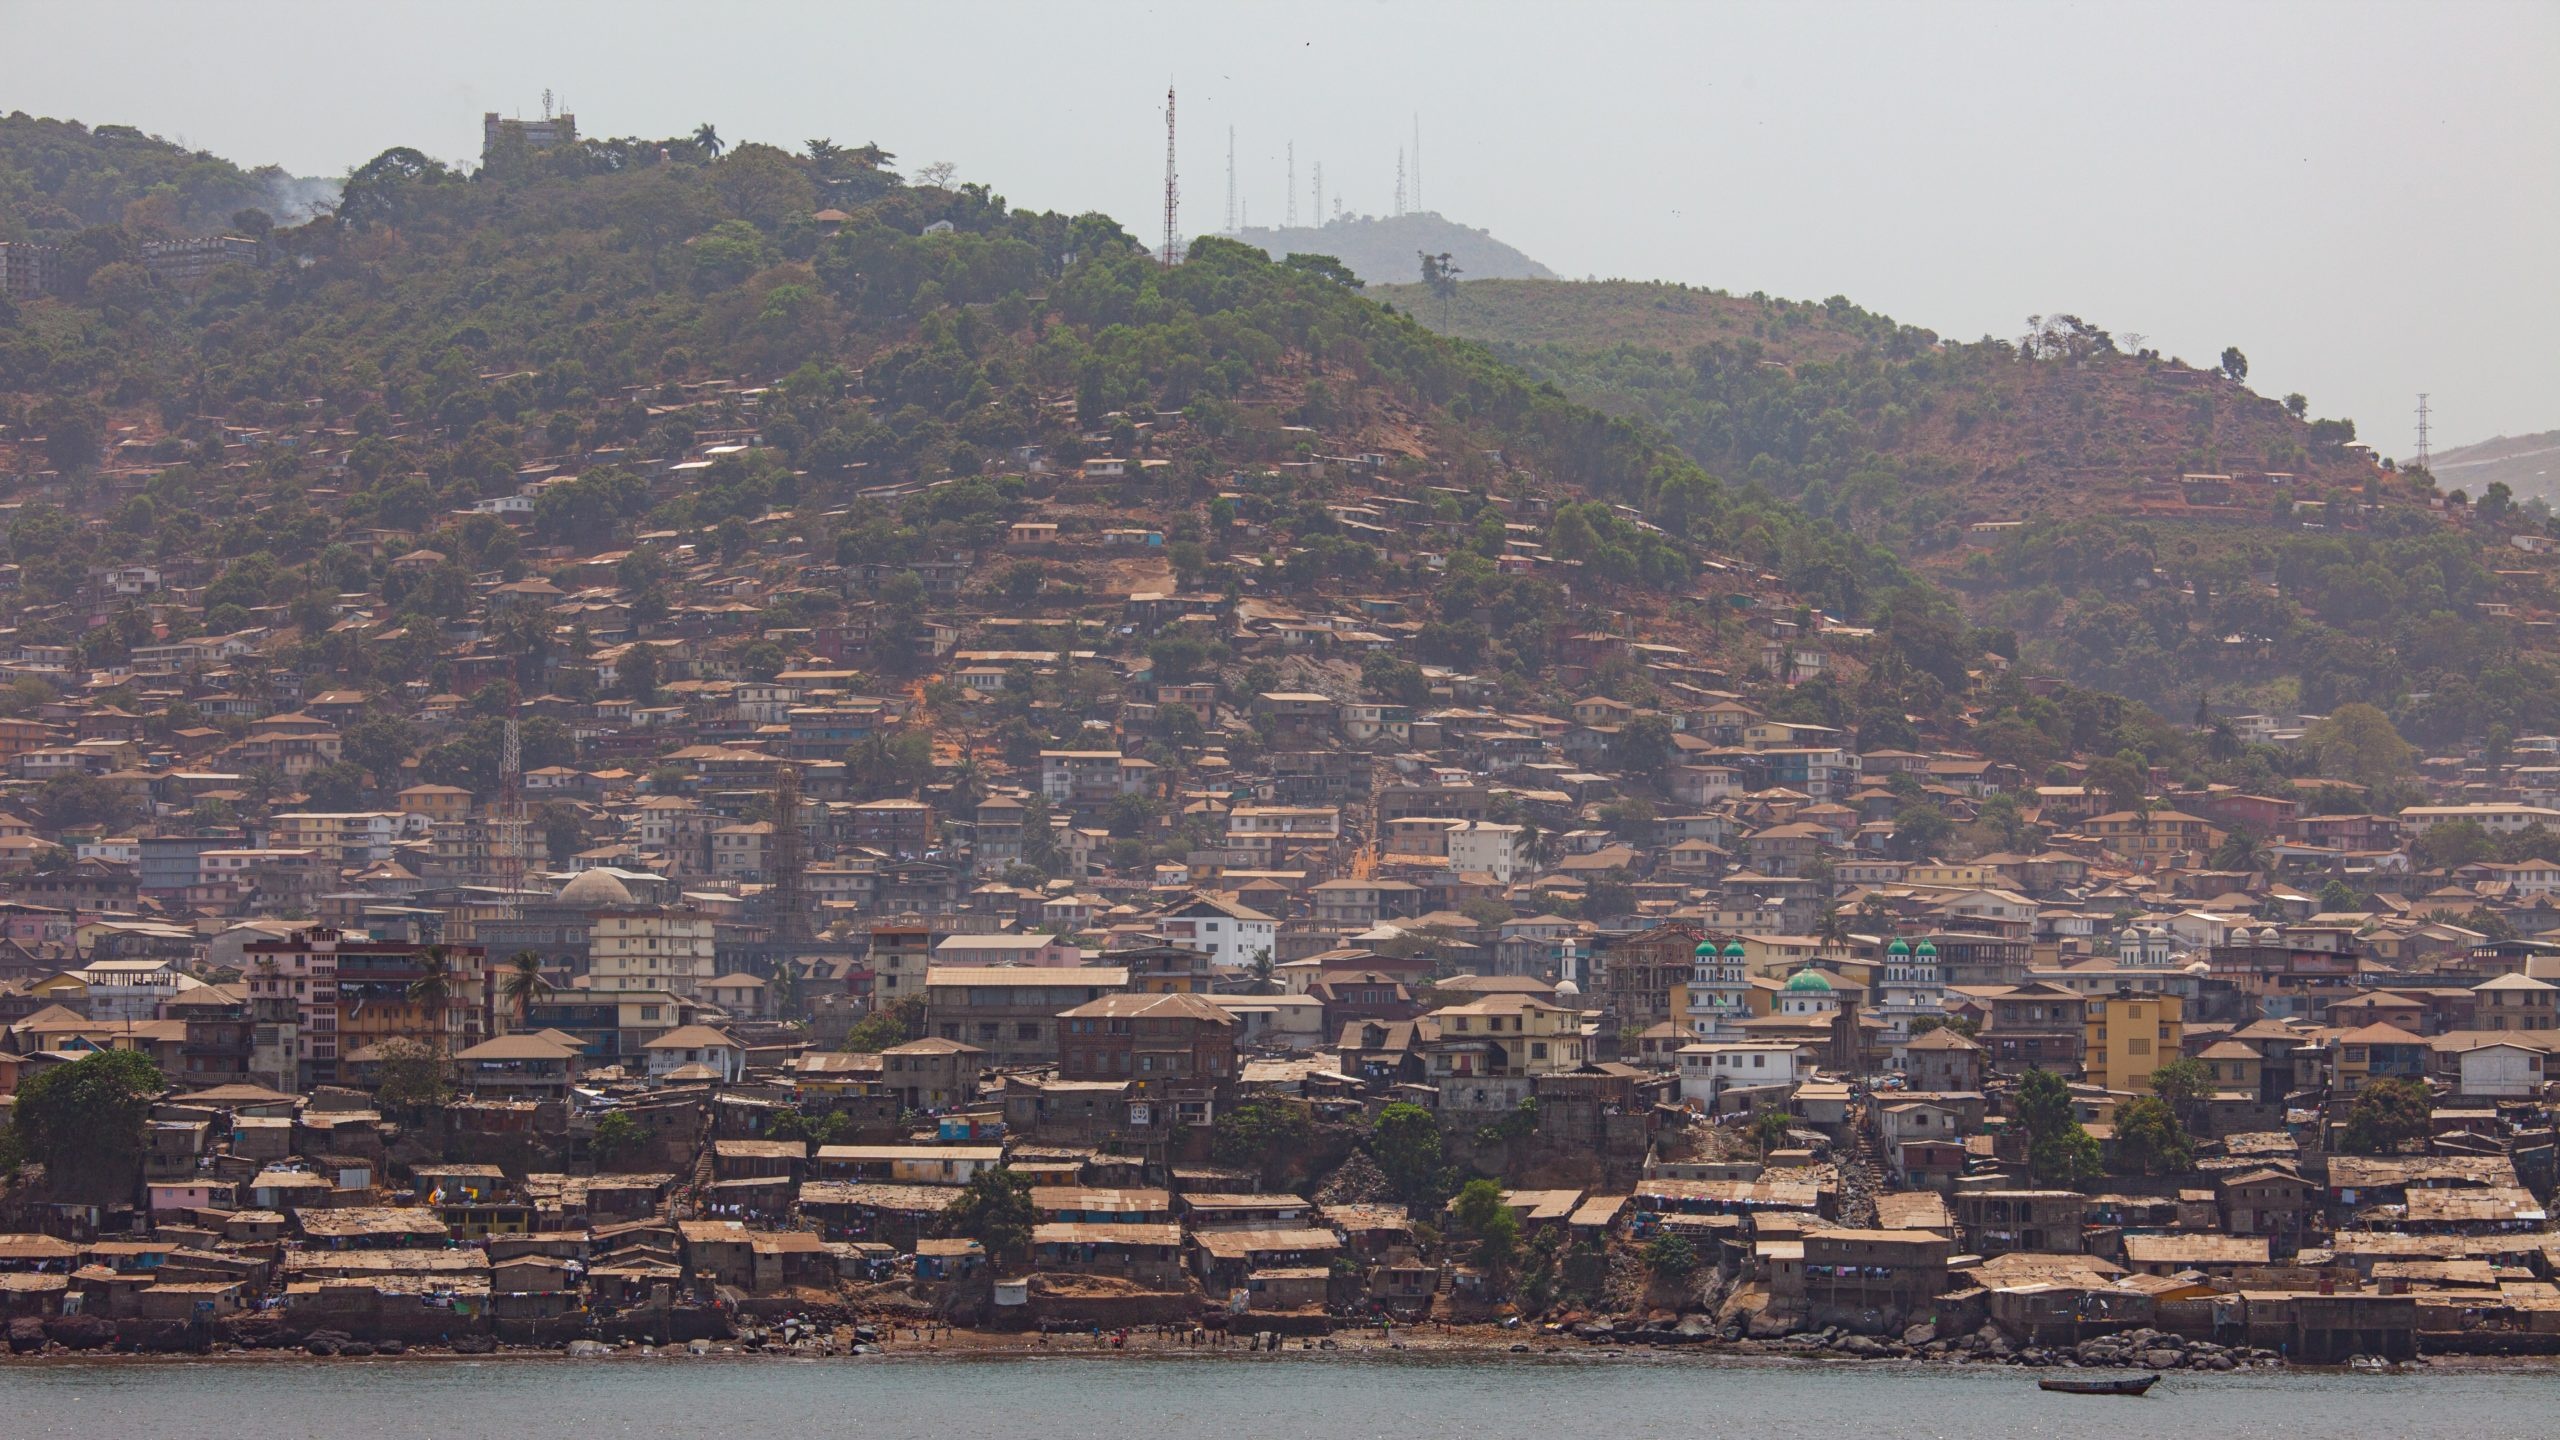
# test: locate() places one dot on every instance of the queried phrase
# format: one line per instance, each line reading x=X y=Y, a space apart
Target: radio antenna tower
x=1289 y=194
x=782 y=882
x=1231 y=179
x=2422 y=432
x=1319 y=189
x=1399 y=182
x=508 y=845
x=1417 y=162
x=1172 y=188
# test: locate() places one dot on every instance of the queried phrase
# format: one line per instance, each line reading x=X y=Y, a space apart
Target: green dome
x=1805 y=981
x=1733 y=950
x=1926 y=948
x=1706 y=950
x=1899 y=946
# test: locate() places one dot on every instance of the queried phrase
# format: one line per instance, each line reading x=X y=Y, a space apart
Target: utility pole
x=1231 y=179
x=2422 y=433
x=1289 y=194
x=1172 y=188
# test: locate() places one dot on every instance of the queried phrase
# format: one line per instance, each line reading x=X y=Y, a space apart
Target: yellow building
x=436 y=802
x=1778 y=956
x=2155 y=839
x=1505 y=1035
x=2515 y=1002
x=651 y=949
x=1954 y=877
x=2130 y=1035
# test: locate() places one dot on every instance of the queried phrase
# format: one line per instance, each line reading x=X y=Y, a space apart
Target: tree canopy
x=83 y=1122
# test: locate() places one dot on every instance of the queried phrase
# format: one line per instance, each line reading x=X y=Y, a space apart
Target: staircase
x=694 y=1199
x=1861 y=1171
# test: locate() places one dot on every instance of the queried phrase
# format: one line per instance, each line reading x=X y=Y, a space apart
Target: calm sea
x=1280 y=1397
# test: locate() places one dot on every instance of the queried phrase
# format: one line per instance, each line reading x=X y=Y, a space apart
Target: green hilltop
x=2142 y=524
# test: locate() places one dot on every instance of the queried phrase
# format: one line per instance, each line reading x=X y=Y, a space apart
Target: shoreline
x=1470 y=1349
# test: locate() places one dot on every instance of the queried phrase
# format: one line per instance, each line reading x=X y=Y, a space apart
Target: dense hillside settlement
x=665 y=742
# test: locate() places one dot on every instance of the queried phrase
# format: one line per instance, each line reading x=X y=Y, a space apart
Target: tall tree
x=1405 y=1141
x=2059 y=1150
x=2150 y=1140
x=2185 y=1084
x=2387 y=1115
x=524 y=984
x=83 y=1121
x=994 y=1209
x=432 y=992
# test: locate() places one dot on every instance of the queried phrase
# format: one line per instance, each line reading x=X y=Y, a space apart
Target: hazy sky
x=2363 y=197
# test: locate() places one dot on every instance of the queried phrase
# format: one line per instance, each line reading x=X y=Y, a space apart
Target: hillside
x=2054 y=482
x=2528 y=465
x=58 y=177
x=1652 y=315
x=891 y=386
x=797 y=367
x=1383 y=250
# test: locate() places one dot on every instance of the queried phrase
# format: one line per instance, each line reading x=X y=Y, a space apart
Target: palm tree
x=524 y=984
x=1831 y=924
x=708 y=139
x=432 y=991
x=2242 y=850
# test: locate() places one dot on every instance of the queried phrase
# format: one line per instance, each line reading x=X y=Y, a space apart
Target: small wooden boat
x=2128 y=1385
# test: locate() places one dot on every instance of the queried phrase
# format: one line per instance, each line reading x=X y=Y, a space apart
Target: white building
x=1914 y=987
x=2145 y=946
x=2501 y=1070
x=1488 y=847
x=2496 y=819
x=128 y=990
x=650 y=949
x=686 y=1045
x=1708 y=1069
x=1233 y=935
x=1719 y=991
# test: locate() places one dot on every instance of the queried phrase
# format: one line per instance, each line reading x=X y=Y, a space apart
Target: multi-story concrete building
x=1093 y=777
x=2130 y=1034
x=352 y=993
x=344 y=838
x=548 y=133
x=652 y=948
x=1011 y=1012
x=1488 y=847
x=1231 y=933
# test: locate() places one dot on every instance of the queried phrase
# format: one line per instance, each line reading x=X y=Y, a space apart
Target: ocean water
x=1288 y=1396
